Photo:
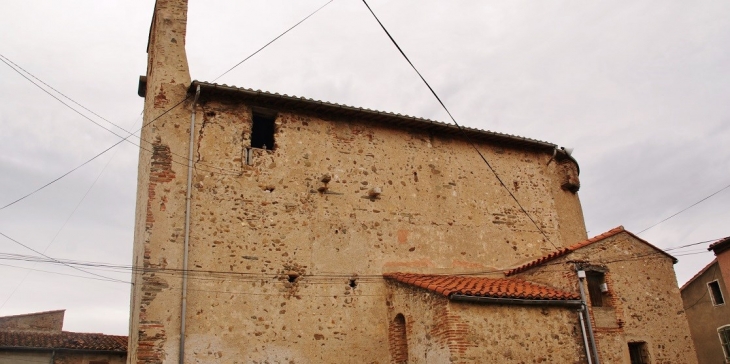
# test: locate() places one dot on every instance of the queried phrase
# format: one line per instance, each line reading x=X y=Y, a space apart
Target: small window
x=262 y=131
x=595 y=281
x=639 y=353
x=724 y=333
x=716 y=293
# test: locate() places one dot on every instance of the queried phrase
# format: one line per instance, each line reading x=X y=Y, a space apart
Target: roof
x=389 y=118
x=448 y=285
x=62 y=340
x=33 y=314
x=565 y=251
x=720 y=245
x=701 y=272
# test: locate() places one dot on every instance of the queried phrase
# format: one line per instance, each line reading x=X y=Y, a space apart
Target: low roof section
x=487 y=290
x=565 y=251
x=72 y=341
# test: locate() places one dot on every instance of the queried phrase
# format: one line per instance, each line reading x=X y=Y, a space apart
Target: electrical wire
x=222 y=170
x=273 y=40
x=27 y=273
x=58 y=261
x=466 y=135
x=89 y=160
x=685 y=209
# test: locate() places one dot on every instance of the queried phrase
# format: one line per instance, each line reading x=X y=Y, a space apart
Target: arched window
x=398 y=340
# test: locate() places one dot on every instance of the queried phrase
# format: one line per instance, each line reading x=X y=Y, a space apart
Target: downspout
x=53 y=356
x=581 y=277
x=184 y=302
x=585 y=336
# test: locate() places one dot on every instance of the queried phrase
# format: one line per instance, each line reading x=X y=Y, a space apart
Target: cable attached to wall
x=466 y=135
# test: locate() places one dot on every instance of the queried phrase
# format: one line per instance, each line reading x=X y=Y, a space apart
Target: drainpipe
x=581 y=277
x=585 y=336
x=184 y=302
x=53 y=356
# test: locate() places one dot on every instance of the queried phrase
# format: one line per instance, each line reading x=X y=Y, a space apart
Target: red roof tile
x=448 y=285
x=63 y=340
x=565 y=251
x=720 y=245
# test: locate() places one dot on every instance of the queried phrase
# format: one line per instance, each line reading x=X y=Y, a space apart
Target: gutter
x=184 y=300
x=515 y=301
x=61 y=350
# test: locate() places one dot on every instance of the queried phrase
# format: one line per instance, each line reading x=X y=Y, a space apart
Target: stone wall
x=51 y=321
x=642 y=304
x=443 y=331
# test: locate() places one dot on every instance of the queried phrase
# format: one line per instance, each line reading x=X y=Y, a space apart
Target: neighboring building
x=324 y=233
x=708 y=313
x=38 y=338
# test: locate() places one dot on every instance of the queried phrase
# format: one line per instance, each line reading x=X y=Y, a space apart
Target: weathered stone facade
x=642 y=303
x=288 y=242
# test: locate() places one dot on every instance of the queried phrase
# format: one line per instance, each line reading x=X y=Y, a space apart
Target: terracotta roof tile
x=63 y=340
x=565 y=251
x=720 y=245
x=448 y=285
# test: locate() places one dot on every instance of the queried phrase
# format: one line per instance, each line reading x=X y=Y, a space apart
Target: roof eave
x=515 y=301
x=258 y=96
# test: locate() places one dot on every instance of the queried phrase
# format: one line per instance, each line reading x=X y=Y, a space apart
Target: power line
x=58 y=261
x=59 y=92
x=102 y=126
x=125 y=138
x=685 y=209
x=27 y=273
x=459 y=126
x=273 y=40
x=89 y=160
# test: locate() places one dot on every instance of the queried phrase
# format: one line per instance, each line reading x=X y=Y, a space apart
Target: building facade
x=272 y=228
x=704 y=299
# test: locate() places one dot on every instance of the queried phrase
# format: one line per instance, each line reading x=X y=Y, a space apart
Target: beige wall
x=51 y=321
x=644 y=303
x=9 y=357
x=270 y=220
x=704 y=317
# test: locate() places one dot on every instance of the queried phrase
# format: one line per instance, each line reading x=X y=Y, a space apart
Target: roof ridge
x=581 y=244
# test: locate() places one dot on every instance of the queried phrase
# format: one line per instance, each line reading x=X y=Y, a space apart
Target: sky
x=639 y=89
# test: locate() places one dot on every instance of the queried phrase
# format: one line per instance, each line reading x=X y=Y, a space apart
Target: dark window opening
x=638 y=353
x=716 y=293
x=262 y=132
x=595 y=280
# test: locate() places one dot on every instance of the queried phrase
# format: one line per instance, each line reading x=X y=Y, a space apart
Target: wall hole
x=292 y=277
x=353 y=283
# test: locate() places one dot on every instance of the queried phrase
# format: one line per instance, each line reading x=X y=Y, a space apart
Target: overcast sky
x=640 y=89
